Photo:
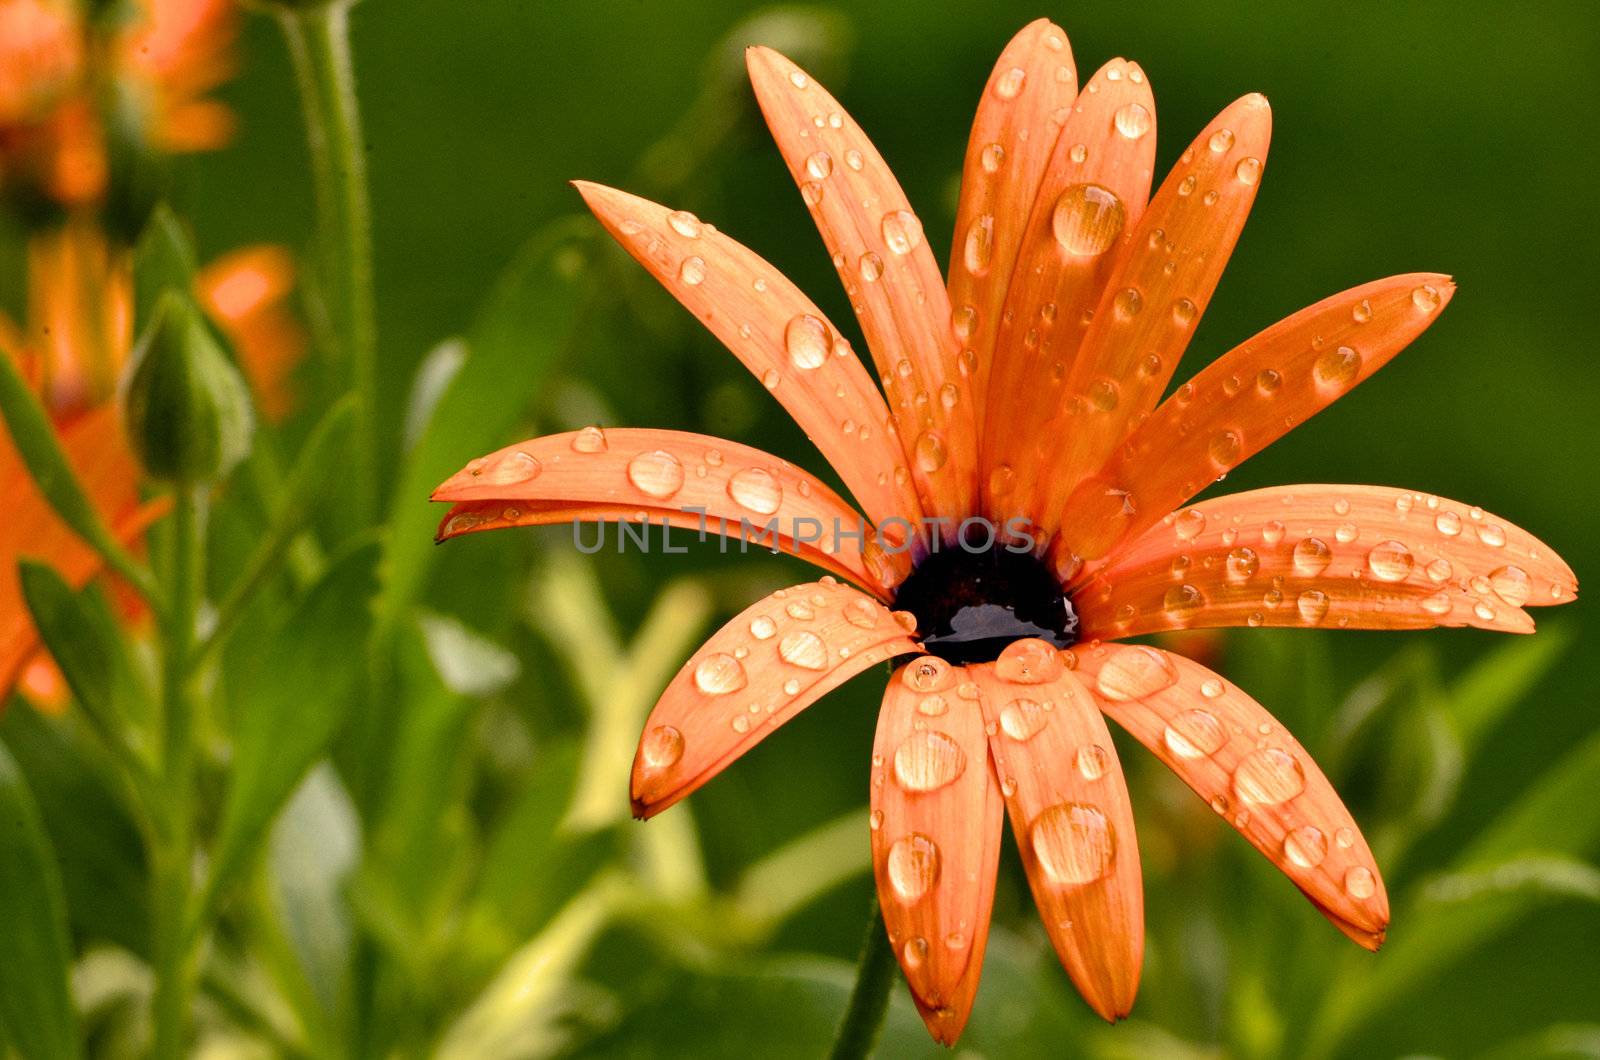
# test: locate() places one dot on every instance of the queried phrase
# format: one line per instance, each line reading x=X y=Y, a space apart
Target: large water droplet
x=1511 y=584
x=979 y=246
x=1390 y=561
x=1360 y=884
x=804 y=649
x=662 y=747
x=1194 y=734
x=992 y=157
x=1009 y=84
x=693 y=271
x=510 y=469
x=1093 y=761
x=913 y=866
x=930 y=451
x=928 y=674
x=656 y=474
x=684 y=223
x=1312 y=605
x=927 y=761
x=590 y=440
x=1337 y=368
x=1312 y=556
x=807 y=340
x=1073 y=842
x=1022 y=719
x=719 y=674
x=757 y=489
x=1242 y=564
x=1188 y=524
x=902 y=232
x=1182 y=602
x=1028 y=662
x=1132 y=120
x=1087 y=219
x=762 y=627
x=1133 y=671
x=819 y=165
x=1268 y=776
x=1305 y=846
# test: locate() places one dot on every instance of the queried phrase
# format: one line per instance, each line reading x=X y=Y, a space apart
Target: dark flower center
x=970 y=605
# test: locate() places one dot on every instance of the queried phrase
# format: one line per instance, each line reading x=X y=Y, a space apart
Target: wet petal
x=1158 y=291
x=690 y=480
x=94 y=446
x=1089 y=203
x=1028 y=96
x=935 y=838
x=778 y=333
x=1251 y=771
x=1243 y=402
x=1070 y=813
x=1362 y=557
x=755 y=673
x=888 y=270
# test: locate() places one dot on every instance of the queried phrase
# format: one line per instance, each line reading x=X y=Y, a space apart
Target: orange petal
x=755 y=673
x=1091 y=199
x=1071 y=816
x=1026 y=100
x=246 y=292
x=1243 y=402
x=1363 y=557
x=1251 y=770
x=687 y=479
x=94 y=446
x=889 y=273
x=1157 y=292
x=778 y=333
x=935 y=838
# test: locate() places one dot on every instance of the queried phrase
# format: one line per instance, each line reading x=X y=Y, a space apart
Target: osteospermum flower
x=1025 y=389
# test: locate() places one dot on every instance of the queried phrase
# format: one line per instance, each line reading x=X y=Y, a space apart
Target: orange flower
x=1026 y=391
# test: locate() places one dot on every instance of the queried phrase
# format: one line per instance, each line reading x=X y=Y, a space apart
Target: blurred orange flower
x=1023 y=491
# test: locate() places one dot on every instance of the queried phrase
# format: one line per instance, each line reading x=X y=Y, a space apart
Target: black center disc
x=969 y=606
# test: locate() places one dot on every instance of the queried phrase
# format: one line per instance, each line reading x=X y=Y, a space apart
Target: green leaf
x=163 y=260
x=512 y=346
x=36 y=443
x=83 y=639
x=291 y=706
x=35 y=998
x=1482 y=696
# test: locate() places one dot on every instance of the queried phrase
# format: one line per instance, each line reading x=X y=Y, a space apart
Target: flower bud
x=185 y=408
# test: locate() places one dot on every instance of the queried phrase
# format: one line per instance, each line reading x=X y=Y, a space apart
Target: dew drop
x=719 y=674
x=1242 y=564
x=1182 y=602
x=1189 y=523
x=902 y=232
x=932 y=706
x=1447 y=523
x=1437 y=604
x=590 y=440
x=979 y=247
x=930 y=451
x=1221 y=140
x=1248 y=171
x=807 y=340
x=913 y=866
x=1128 y=303
x=1305 y=846
x=762 y=627
x=1359 y=883
x=1312 y=556
x=1073 y=842
x=1312 y=605
x=662 y=747
x=510 y=469
x=1268 y=776
x=927 y=761
x=1028 y=662
x=1093 y=761
x=1425 y=298
x=1511 y=584
x=656 y=474
x=992 y=157
x=1225 y=448
x=820 y=165
x=685 y=223
x=804 y=649
x=1010 y=83
x=1132 y=120
x=1022 y=719
x=1087 y=219
x=1337 y=368
x=1492 y=534
x=871 y=267
x=929 y=674
x=1134 y=671
x=1194 y=734
x=963 y=321
x=1390 y=561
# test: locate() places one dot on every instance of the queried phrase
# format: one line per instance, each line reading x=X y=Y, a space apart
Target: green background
x=1435 y=136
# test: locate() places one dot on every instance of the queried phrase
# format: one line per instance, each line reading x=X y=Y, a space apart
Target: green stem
x=869 y=999
x=318 y=37
x=174 y=860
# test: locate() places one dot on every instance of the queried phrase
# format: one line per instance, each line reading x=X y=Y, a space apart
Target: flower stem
x=869 y=999
x=174 y=857
x=318 y=36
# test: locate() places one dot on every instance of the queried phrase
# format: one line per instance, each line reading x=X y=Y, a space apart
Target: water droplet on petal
x=1073 y=842
x=807 y=340
x=979 y=246
x=719 y=674
x=1242 y=564
x=510 y=469
x=757 y=489
x=1359 y=883
x=1312 y=605
x=1093 y=761
x=804 y=649
x=927 y=761
x=1492 y=534
x=871 y=267
x=762 y=627
x=1312 y=556
x=992 y=157
x=1447 y=523
x=1128 y=303
x=656 y=474
x=693 y=271
x=1305 y=846
x=929 y=674
x=1425 y=298
x=1390 y=561
x=1188 y=524
x=902 y=232
x=1248 y=171
x=1134 y=671
x=1268 y=776
x=590 y=440
x=1511 y=584
x=1028 y=662
x=1182 y=602
x=1087 y=219
x=1132 y=120
x=1022 y=719
x=1337 y=368
x=930 y=451
x=1010 y=83
x=684 y=223
x=1194 y=734
x=913 y=866
x=819 y=165
x=662 y=747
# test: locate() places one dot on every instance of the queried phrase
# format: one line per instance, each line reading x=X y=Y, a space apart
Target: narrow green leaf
x=83 y=640
x=36 y=443
x=516 y=340
x=35 y=997
x=1501 y=679
x=292 y=704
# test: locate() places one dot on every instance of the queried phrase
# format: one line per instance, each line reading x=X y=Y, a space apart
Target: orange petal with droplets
x=1157 y=292
x=755 y=673
x=1252 y=772
x=778 y=333
x=1070 y=813
x=1359 y=557
x=888 y=271
x=1243 y=402
x=935 y=837
x=687 y=479
x=94 y=446
x=1028 y=96
x=1090 y=201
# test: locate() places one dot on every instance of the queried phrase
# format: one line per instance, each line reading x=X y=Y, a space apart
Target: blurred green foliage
x=429 y=854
